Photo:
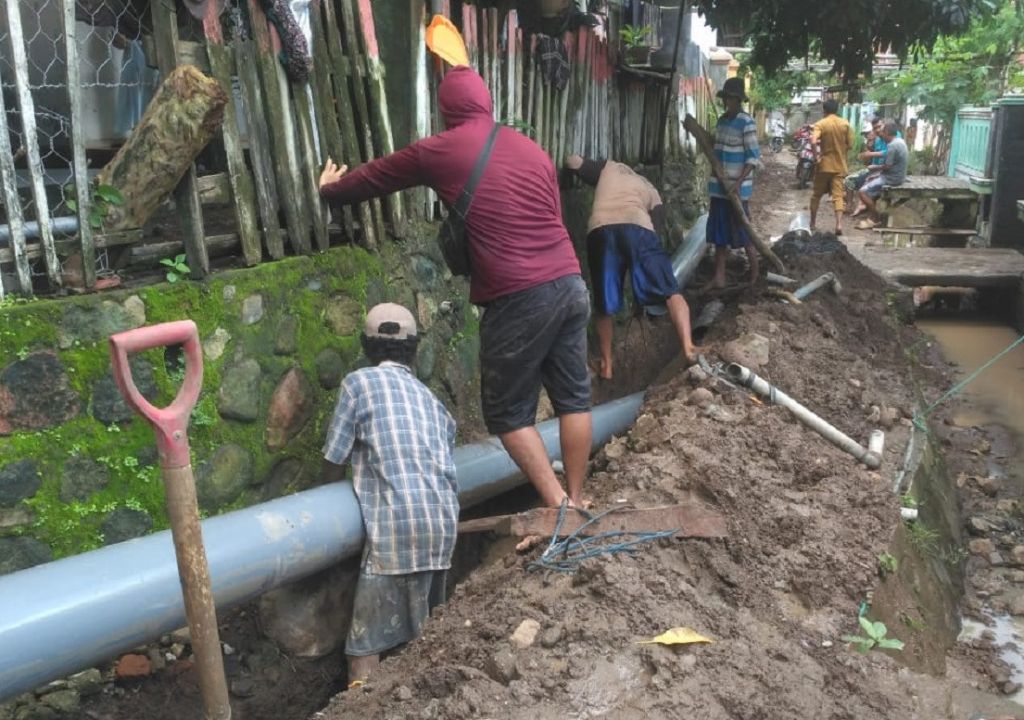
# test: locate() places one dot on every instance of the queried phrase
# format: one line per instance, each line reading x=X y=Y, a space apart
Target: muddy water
x=997 y=395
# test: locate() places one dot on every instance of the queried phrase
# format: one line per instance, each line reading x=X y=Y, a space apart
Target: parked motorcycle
x=800 y=135
x=776 y=144
x=806 y=159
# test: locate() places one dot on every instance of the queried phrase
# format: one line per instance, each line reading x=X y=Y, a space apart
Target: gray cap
x=391 y=321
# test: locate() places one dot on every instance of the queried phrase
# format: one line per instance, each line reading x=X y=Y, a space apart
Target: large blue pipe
x=58 y=618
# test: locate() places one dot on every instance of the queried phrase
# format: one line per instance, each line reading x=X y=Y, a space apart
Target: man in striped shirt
x=400 y=439
x=737 y=150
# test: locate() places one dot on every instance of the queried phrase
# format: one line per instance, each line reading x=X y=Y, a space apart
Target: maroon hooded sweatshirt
x=516 y=236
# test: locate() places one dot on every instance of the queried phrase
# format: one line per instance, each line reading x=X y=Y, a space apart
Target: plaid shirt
x=401 y=438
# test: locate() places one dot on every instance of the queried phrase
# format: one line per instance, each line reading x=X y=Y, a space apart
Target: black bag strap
x=466 y=197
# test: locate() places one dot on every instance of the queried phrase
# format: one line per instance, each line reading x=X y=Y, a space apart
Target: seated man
x=893 y=172
x=400 y=438
x=873 y=154
x=623 y=234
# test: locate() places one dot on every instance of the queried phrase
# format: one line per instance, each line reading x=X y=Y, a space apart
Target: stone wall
x=78 y=470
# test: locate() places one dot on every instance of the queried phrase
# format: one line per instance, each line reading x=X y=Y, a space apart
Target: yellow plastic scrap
x=444 y=40
x=677 y=636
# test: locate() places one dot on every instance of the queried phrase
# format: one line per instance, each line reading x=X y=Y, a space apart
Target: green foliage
x=874 y=637
x=775 y=89
x=521 y=125
x=103 y=197
x=635 y=37
x=887 y=565
x=908 y=501
x=176 y=268
x=923 y=537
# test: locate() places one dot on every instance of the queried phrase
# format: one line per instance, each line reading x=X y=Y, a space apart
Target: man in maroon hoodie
x=525 y=274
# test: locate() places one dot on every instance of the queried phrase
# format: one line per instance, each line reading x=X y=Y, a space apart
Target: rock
x=182 y=635
x=96 y=322
x=981 y=546
x=403 y=693
x=243 y=687
x=695 y=375
x=501 y=666
x=615 y=449
x=229 y=292
x=330 y=367
x=124 y=524
x=426 y=271
x=1006 y=505
x=215 y=345
x=995 y=559
x=35 y=394
x=156 y=659
x=286 y=342
x=719 y=414
x=545 y=410
x=887 y=417
x=221 y=478
x=1016 y=606
x=16 y=517
x=18 y=481
x=228 y=650
x=238 y=397
x=701 y=397
x=309 y=618
x=525 y=634
x=989 y=485
x=176 y=649
x=108 y=405
x=1011 y=688
x=136 y=310
x=552 y=636
x=875 y=416
x=749 y=350
x=854 y=383
x=36 y=711
x=343 y=315
x=21 y=553
x=82 y=477
x=86 y=683
x=426 y=309
x=1017 y=556
x=65 y=702
x=979 y=526
x=291 y=407
x=426 y=359
x=132 y=666
x=287 y=475
x=252 y=309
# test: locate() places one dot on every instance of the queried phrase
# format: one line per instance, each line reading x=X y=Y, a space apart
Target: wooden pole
x=31 y=142
x=421 y=97
x=706 y=142
x=186 y=195
x=310 y=165
x=530 y=104
x=13 y=207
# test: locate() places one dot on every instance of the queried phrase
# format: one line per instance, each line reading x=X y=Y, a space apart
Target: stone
x=981 y=546
x=108 y=405
x=132 y=666
x=545 y=410
x=525 y=635
x=750 y=350
x=719 y=414
x=291 y=407
x=552 y=636
x=426 y=271
x=238 y=397
x=501 y=666
x=36 y=711
x=343 y=315
x=310 y=618
x=252 y=309
x=615 y=449
x=701 y=397
x=1011 y=688
x=887 y=417
x=81 y=477
x=156 y=659
x=243 y=687
x=286 y=476
x=136 y=310
x=1015 y=576
x=403 y=693
x=18 y=481
x=426 y=359
x=21 y=553
x=223 y=477
x=979 y=526
x=86 y=683
x=215 y=345
x=92 y=323
x=35 y=394
x=1016 y=606
x=989 y=485
x=16 y=517
x=995 y=559
x=696 y=375
x=65 y=702
x=229 y=292
x=124 y=524
x=330 y=367
x=182 y=635
x=426 y=309
x=286 y=341
x=1017 y=556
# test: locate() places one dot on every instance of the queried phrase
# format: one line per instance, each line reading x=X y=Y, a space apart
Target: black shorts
x=531 y=338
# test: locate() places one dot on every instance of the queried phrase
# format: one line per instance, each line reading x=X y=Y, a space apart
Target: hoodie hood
x=463 y=96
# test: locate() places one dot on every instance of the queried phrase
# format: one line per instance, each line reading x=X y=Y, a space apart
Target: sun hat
x=734 y=87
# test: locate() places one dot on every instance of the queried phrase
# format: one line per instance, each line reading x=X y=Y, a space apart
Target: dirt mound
x=806 y=523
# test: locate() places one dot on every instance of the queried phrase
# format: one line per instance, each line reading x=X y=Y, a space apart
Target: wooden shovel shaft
x=689 y=520
x=707 y=145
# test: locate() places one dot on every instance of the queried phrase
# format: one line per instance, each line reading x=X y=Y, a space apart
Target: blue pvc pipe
x=71 y=614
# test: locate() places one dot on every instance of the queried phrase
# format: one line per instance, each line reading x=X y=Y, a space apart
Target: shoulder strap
x=466 y=197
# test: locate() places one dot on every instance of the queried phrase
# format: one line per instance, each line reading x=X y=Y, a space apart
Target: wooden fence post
x=15 y=222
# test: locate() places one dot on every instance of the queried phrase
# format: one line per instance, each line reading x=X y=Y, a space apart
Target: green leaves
x=875 y=637
x=177 y=269
x=103 y=197
x=634 y=36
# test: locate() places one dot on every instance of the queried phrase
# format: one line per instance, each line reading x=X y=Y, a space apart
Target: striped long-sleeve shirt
x=736 y=146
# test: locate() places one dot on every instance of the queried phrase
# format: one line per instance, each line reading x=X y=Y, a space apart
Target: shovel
x=170 y=424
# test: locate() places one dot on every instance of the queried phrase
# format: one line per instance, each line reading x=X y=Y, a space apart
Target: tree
x=770 y=92
x=846 y=33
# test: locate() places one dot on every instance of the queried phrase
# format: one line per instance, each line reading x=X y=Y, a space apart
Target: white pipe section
x=776 y=279
x=908 y=513
x=826 y=279
x=876 y=443
x=743 y=376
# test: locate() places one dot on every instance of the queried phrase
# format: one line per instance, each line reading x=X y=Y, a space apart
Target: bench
x=949 y=191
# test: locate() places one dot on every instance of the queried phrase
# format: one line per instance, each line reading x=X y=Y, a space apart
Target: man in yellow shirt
x=833 y=138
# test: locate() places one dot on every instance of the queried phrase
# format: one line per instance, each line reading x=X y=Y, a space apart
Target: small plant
x=908 y=501
x=521 y=125
x=887 y=565
x=634 y=36
x=176 y=268
x=875 y=633
x=923 y=537
x=103 y=197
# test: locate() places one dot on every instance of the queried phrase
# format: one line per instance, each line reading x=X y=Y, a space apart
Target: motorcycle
x=800 y=135
x=776 y=144
x=806 y=159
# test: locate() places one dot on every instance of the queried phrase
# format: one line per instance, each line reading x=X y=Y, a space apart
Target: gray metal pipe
x=743 y=376
x=70 y=614
x=61 y=225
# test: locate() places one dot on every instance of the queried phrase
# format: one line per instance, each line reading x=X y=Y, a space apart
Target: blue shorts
x=723 y=229
x=613 y=249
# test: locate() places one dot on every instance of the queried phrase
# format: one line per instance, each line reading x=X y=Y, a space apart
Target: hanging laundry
x=554 y=61
x=294 y=47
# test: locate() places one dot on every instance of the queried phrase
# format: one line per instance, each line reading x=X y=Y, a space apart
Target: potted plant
x=638 y=50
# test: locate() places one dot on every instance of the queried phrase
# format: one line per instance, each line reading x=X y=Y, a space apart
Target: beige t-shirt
x=622 y=197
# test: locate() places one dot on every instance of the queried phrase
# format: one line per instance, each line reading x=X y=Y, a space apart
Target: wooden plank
x=240 y=179
x=35 y=250
x=26 y=107
x=12 y=205
x=154 y=252
x=282 y=139
x=186 y=195
x=78 y=161
x=310 y=166
x=925 y=231
x=688 y=520
x=260 y=152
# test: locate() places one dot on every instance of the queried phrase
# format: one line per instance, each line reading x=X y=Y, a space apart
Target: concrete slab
x=961 y=267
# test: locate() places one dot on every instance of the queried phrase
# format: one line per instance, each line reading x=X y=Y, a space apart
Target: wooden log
x=530 y=102
x=186 y=195
x=310 y=167
x=30 y=141
x=154 y=252
x=180 y=121
x=511 y=28
x=421 y=98
x=706 y=142
x=239 y=176
x=260 y=152
x=12 y=206
x=78 y=161
x=688 y=520
x=70 y=246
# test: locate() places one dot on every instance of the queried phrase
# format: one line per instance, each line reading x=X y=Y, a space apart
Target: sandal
x=866 y=224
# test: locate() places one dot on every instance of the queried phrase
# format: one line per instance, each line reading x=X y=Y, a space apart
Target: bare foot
x=696 y=351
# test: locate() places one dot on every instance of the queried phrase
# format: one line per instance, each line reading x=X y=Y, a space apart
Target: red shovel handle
x=170 y=422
